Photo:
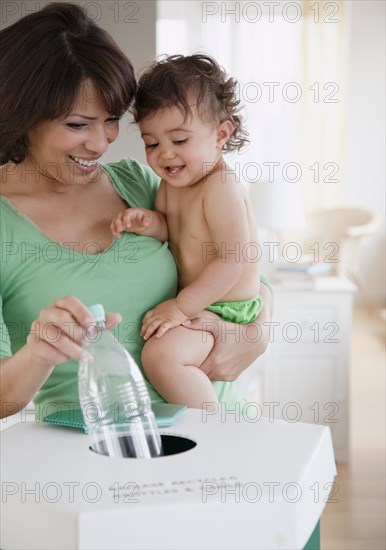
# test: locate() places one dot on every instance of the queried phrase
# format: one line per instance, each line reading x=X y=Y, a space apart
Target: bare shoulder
x=224 y=181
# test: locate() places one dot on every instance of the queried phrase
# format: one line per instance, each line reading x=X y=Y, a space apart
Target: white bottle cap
x=98 y=312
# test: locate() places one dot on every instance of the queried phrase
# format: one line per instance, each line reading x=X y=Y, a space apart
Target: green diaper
x=241 y=311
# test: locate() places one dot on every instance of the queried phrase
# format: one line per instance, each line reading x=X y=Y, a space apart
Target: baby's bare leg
x=172 y=365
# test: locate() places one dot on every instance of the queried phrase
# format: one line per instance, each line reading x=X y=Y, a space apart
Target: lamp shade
x=277 y=205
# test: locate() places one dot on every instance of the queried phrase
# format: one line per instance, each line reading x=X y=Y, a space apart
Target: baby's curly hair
x=172 y=81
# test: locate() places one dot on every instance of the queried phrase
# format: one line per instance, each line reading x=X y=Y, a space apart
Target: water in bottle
x=114 y=399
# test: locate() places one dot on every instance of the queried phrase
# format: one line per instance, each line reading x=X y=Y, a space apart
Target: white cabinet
x=307 y=369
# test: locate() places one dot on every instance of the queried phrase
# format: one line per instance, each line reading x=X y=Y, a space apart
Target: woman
x=65 y=86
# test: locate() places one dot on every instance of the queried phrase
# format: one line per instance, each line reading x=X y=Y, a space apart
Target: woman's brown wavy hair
x=45 y=58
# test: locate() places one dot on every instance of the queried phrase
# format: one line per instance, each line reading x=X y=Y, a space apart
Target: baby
x=187 y=111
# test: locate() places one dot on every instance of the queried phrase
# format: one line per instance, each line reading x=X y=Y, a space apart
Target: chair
x=337 y=235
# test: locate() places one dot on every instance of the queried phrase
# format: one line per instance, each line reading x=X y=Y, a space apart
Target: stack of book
x=301 y=271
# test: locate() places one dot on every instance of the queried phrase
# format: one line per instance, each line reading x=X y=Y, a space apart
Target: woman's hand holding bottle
x=56 y=335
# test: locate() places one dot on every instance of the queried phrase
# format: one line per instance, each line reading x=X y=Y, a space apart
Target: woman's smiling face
x=67 y=150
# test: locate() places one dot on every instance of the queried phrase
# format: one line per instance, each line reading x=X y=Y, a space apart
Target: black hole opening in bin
x=171 y=445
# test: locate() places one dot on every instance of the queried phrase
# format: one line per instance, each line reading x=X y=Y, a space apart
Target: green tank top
x=130 y=277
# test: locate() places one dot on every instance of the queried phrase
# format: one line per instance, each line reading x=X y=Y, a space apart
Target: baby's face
x=181 y=152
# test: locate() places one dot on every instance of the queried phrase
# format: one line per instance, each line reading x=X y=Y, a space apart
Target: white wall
x=364 y=125
x=132 y=25
x=138 y=41
x=365 y=150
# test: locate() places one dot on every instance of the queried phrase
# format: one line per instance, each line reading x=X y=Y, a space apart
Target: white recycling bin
x=239 y=483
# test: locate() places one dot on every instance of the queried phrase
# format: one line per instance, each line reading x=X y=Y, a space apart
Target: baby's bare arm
x=142 y=221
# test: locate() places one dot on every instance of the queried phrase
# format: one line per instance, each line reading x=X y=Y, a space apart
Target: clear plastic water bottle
x=115 y=402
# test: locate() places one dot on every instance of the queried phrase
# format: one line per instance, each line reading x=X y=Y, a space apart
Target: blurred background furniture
x=277 y=206
x=337 y=236
x=306 y=376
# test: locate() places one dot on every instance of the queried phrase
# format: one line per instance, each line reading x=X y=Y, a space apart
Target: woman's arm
x=236 y=346
x=20 y=378
x=22 y=374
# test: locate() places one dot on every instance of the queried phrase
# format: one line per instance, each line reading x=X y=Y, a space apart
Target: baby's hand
x=162 y=318
x=134 y=220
